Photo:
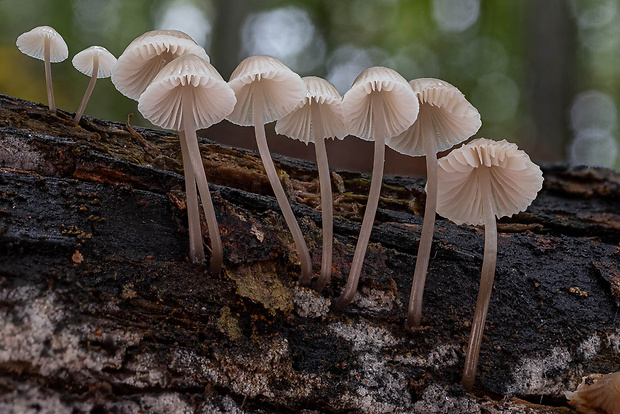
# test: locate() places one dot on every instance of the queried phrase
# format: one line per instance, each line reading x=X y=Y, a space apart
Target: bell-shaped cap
x=32 y=44
x=400 y=103
x=300 y=123
x=146 y=55
x=445 y=116
x=597 y=393
x=162 y=102
x=515 y=181
x=267 y=79
x=83 y=61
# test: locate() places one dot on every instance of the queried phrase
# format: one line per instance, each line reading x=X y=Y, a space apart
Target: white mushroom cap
x=452 y=118
x=401 y=104
x=596 y=394
x=515 y=181
x=146 y=55
x=162 y=102
x=268 y=79
x=299 y=123
x=31 y=43
x=83 y=61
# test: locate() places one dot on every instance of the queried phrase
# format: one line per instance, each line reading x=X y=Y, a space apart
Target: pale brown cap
x=32 y=43
x=162 y=102
x=445 y=116
x=267 y=79
x=515 y=181
x=401 y=105
x=146 y=55
x=299 y=123
x=597 y=394
x=83 y=61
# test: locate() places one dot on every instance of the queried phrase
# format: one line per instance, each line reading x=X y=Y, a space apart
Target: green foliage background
x=544 y=53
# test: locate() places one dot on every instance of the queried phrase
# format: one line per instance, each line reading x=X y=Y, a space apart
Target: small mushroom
x=267 y=90
x=186 y=95
x=379 y=105
x=95 y=62
x=446 y=118
x=146 y=55
x=317 y=117
x=478 y=182
x=597 y=394
x=44 y=43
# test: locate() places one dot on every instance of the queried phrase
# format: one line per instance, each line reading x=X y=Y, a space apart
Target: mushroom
x=44 y=43
x=446 y=118
x=135 y=70
x=267 y=90
x=379 y=105
x=186 y=95
x=596 y=394
x=317 y=117
x=95 y=62
x=146 y=55
x=478 y=182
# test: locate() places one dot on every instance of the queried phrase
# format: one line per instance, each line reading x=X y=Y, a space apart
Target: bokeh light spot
x=594 y=148
x=593 y=110
x=287 y=34
x=345 y=64
x=455 y=15
x=186 y=17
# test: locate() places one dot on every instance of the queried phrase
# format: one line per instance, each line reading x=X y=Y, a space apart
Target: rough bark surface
x=100 y=310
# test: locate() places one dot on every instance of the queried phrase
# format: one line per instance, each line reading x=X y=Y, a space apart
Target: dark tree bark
x=101 y=311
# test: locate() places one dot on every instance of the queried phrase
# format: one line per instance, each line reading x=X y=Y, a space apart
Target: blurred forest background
x=543 y=74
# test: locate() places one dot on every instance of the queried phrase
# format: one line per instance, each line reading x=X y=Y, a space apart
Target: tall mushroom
x=95 y=62
x=186 y=95
x=146 y=55
x=446 y=118
x=135 y=69
x=478 y=182
x=267 y=90
x=44 y=43
x=379 y=105
x=317 y=117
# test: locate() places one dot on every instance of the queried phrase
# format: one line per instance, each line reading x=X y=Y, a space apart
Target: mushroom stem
x=48 y=75
x=196 y=248
x=276 y=185
x=89 y=90
x=486 y=282
x=414 y=315
x=189 y=127
x=371 y=205
x=327 y=211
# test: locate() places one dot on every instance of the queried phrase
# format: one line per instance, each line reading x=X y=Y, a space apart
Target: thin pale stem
x=486 y=282
x=89 y=91
x=414 y=316
x=189 y=125
x=380 y=133
x=48 y=76
x=327 y=210
x=196 y=248
x=276 y=185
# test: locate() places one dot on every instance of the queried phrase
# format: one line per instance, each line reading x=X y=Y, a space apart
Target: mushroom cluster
x=177 y=88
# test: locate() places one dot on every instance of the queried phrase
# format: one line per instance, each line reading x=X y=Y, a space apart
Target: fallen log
x=102 y=312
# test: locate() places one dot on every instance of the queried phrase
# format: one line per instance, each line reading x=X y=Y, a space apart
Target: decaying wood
x=101 y=311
